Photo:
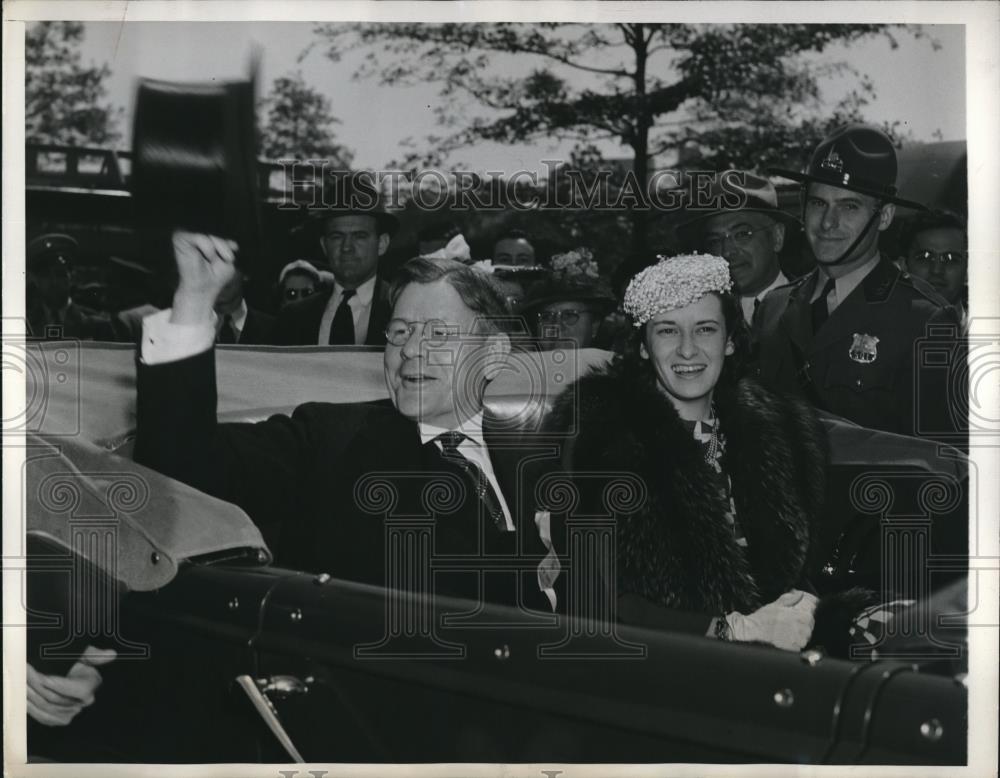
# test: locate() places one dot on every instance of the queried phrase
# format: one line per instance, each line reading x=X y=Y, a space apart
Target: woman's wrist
x=720 y=629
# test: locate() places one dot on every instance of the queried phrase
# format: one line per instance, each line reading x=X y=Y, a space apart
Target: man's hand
x=55 y=700
x=786 y=623
x=205 y=264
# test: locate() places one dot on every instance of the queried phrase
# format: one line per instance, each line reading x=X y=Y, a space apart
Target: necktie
x=473 y=476
x=227 y=333
x=820 y=306
x=342 y=329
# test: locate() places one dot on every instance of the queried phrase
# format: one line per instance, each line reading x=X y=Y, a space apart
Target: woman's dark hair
x=735 y=365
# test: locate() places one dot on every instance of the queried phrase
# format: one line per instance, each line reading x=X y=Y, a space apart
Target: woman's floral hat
x=674 y=282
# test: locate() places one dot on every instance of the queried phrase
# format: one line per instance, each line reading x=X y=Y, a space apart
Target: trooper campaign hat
x=735 y=191
x=857 y=158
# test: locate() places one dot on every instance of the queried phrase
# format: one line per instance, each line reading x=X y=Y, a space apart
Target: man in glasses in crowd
x=355 y=310
x=845 y=334
x=301 y=477
x=934 y=248
x=745 y=226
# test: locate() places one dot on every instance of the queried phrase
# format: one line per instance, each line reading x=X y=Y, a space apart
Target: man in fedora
x=844 y=334
x=355 y=311
x=747 y=228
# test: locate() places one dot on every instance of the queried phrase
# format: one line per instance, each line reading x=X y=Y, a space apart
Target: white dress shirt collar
x=472 y=429
x=362 y=293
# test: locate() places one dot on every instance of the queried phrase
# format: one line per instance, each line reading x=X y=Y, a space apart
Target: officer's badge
x=863 y=349
x=833 y=162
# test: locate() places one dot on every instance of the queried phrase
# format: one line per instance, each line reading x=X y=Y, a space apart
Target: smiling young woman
x=733 y=475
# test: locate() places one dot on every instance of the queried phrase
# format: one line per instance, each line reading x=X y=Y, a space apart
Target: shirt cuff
x=165 y=341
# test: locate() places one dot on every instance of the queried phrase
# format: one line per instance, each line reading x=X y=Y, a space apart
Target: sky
x=916 y=84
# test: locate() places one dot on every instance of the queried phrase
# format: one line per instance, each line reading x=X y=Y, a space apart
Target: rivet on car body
x=812 y=657
x=233 y=604
x=154 y=558
x=296 y=614
x=322 y=578
x=502 y=653
x=932 y=730
x=784 y=698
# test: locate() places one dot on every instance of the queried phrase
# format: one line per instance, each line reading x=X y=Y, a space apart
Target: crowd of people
x=722 y=367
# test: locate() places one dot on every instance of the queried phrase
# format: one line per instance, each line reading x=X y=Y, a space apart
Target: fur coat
x=678 y=549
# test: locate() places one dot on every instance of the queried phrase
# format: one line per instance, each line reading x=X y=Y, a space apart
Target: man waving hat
x=843 y=335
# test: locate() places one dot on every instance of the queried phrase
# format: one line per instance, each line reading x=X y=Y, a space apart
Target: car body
x=225 y=657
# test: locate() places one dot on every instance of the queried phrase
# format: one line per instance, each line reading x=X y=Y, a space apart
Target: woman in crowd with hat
x=734 y=475
x=569 y=303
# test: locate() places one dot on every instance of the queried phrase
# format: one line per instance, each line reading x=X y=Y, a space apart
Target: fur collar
x=678 y=549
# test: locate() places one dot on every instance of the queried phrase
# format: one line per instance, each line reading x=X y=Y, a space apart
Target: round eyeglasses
x=435 y=331
x=567 y=316
x=298 y=294
x=715 y=243
x=946 y=257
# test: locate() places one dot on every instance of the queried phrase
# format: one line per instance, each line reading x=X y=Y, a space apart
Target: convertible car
x=225 y=657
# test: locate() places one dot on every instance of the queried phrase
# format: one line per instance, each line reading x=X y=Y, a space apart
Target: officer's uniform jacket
x=861 y=363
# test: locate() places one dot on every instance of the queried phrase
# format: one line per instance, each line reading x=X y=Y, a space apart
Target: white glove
x=786 y=623
x=55 y=700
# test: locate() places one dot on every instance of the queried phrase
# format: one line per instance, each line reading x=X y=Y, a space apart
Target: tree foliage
x=64 y=101
x=300 y=124
x=699 y=95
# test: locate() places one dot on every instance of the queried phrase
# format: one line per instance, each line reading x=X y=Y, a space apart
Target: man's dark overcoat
x=321 y=482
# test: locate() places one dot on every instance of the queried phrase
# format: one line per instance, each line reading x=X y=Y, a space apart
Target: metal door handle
x=282 y=684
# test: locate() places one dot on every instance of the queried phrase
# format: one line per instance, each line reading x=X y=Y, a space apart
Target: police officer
x=844 y=334
x=51 y=312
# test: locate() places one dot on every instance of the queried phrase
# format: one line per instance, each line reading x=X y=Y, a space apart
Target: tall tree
x=300 y=124
x=732 y=95
x=65 y=102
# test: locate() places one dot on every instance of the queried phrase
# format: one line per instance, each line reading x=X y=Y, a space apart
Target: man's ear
x=778 y=234
x=498 y=346
x=383 y=243
x=322 y=247
x=886 y=216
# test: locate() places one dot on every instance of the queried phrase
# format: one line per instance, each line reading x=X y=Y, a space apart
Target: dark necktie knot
x=821 y=306
x=450 y=441
x=348 y=294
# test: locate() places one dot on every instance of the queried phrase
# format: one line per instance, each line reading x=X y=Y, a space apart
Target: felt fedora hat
x=858 y=158
x=735 y=191
x=353 y=194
